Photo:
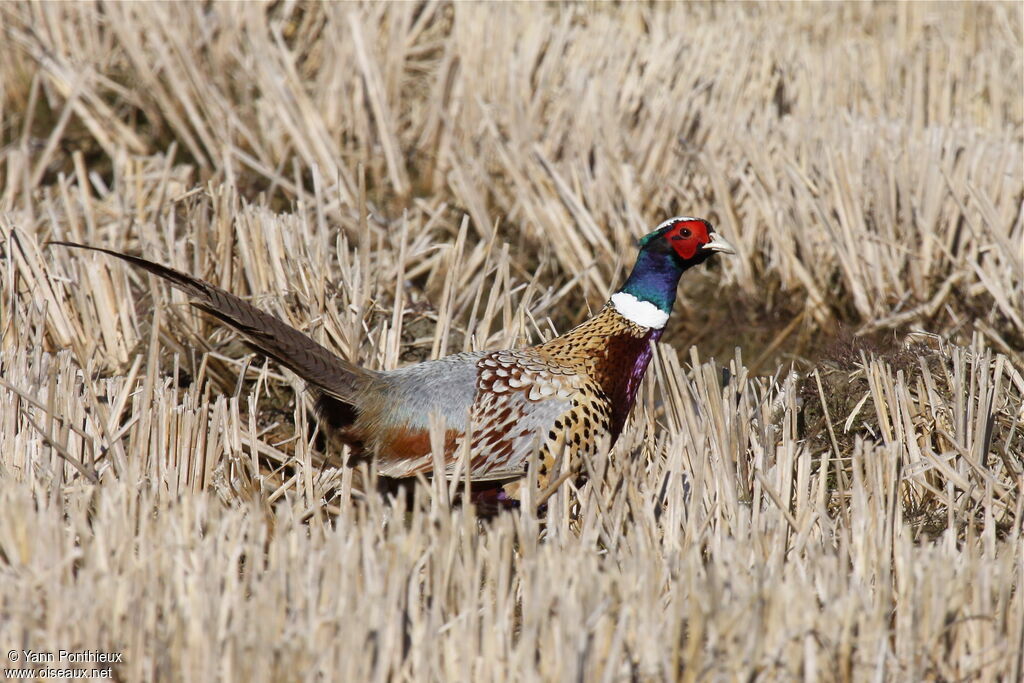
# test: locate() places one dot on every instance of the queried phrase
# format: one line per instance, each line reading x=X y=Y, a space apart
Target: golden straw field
x=822 y=478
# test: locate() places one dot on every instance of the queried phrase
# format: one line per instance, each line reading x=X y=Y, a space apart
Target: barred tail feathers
x=323 y=370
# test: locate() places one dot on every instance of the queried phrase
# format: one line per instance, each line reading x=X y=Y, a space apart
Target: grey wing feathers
x=273 y=337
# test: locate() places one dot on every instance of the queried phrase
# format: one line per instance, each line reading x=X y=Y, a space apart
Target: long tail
x=328 y=375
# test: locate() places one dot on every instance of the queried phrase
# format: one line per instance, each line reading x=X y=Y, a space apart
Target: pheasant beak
x=719 y=244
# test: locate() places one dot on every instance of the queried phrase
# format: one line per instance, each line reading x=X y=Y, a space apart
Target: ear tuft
x=646 y=239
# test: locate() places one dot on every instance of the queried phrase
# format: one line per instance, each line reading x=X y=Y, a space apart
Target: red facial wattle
x=686 y=237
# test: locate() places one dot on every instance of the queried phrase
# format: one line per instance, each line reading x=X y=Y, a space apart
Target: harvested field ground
x=822 y=478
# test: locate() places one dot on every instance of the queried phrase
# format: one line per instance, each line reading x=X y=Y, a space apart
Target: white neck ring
x=643 y=313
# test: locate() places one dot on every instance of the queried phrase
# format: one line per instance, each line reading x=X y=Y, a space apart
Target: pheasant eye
x=686 y=232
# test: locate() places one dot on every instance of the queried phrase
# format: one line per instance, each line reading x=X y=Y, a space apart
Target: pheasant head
x=676 y=245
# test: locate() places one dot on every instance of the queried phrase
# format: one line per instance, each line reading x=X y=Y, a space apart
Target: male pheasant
x=562 y=395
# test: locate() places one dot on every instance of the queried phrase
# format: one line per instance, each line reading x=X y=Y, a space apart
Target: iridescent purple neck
x=625 y=391
x=654 y=278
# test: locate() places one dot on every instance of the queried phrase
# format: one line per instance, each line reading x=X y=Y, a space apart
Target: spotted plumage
x=559 y=397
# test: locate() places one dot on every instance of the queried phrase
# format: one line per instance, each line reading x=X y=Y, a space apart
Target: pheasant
x=559 y=396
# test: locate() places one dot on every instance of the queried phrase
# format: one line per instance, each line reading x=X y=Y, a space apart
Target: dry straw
x=838 y=498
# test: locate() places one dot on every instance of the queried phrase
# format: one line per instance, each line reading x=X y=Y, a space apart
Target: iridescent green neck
x=654 y=278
